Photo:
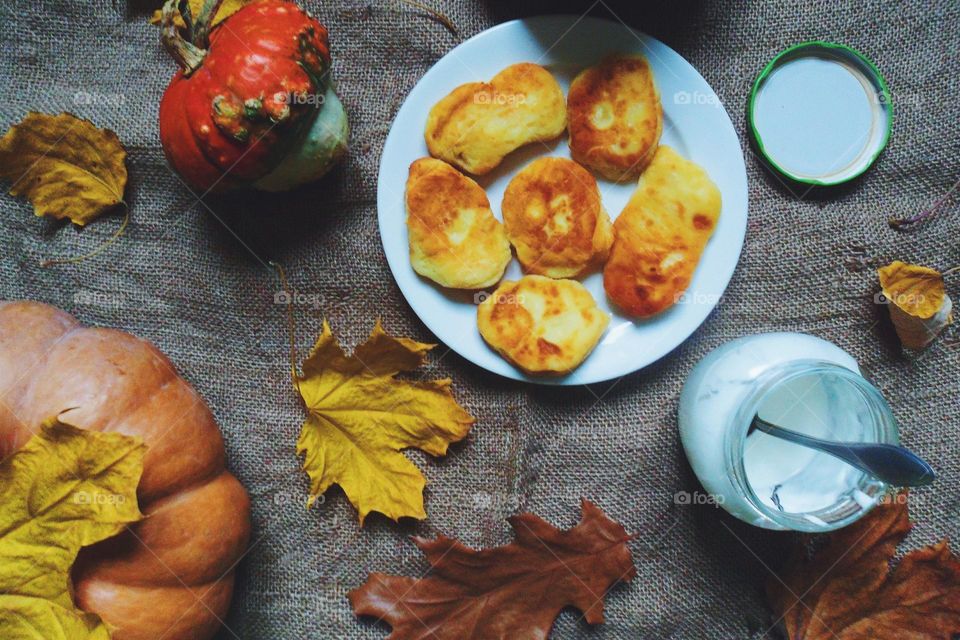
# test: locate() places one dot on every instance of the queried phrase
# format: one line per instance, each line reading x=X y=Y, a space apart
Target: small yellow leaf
x=361 y=417
x=227 y=9
x=917 y=290
x=919 y=305
x=67 y=488
x=65 y=166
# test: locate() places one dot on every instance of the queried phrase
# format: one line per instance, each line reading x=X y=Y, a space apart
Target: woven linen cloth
x=200 y=289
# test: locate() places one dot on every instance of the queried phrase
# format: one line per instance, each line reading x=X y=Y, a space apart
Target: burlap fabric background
x=199 y=288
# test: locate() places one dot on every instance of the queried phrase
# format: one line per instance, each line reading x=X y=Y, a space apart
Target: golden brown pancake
x=541 y=325
x=660 y=235
x=454 y=238
x=555 y=220
x=479 y=123
x=615 y=117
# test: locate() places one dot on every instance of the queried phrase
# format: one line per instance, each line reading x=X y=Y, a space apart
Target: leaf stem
x=291 y=324
x=439 y=17
x=906 y=223
x=119 y=232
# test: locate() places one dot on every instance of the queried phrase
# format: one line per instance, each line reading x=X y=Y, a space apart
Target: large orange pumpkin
x=171 y=575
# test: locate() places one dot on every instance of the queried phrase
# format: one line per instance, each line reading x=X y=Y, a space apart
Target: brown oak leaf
x=846 y=589
x=508 y=592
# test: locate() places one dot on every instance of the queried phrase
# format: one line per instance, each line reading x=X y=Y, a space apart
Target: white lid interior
x=821 y=115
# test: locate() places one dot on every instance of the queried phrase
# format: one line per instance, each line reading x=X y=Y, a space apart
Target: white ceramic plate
x=695 y=124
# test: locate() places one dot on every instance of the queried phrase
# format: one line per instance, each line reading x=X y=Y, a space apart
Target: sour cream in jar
x=798 y=382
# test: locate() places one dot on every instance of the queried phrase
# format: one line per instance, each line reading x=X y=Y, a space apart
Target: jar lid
x=820 y=113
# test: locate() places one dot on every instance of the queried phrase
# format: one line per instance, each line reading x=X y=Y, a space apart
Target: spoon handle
x=888 y=463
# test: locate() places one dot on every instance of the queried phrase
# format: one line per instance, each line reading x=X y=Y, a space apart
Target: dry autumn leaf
x=513 y=591
x=64 y=165
x=847 y=591
x=67 y=488
x=227 y=9
x=361 y=416
x=919 y=305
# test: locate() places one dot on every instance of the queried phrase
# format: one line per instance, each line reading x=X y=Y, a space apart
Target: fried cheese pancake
x=555 y=219
x=454 y=238
x=479 y=123
x=660 y=235
x=542 y=325
x=615 y=117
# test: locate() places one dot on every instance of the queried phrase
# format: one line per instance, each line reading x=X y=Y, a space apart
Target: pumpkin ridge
x=196 y=485
x=176 y=484
x=199 y=616
x=174 y=376
x=27 y=392
x=150 y=555
x=207 y=172
x=126 y=420
x=108 y=425
x=233 y=559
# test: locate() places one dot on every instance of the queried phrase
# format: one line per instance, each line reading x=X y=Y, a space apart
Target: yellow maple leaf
x=227 y=9
x=67 y=488
x=919 y=305
x=361 y=417
x=64 y=165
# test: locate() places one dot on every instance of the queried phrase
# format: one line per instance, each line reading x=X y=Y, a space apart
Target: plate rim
x=654 y=354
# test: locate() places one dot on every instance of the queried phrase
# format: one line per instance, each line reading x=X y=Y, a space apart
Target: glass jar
x=798 y=382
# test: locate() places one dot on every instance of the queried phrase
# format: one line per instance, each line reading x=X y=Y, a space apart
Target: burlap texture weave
x=201 y=290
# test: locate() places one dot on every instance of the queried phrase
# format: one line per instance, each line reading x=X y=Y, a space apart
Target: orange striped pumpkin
x=170 y=575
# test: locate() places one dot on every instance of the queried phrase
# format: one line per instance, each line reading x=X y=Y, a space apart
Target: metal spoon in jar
x=888 y=463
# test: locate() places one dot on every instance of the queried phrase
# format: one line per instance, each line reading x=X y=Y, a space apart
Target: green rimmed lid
x=820 y=113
